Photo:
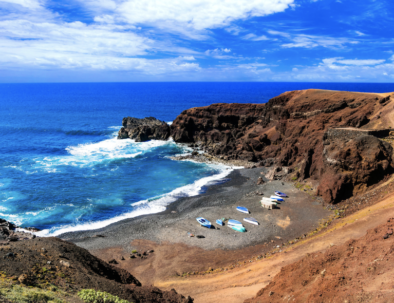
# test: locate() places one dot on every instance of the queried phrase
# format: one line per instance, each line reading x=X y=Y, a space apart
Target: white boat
x=232 y=222
x=242 y=209
x=277 y=198
x=269 y=200
x=251 y=221
x=268 y=203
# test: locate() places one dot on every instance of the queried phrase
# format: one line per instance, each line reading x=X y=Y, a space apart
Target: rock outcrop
x=144 y=129
x=289 y=131
x=293 y=130
x=9 y=232
x=51 y=261
x=352 y=164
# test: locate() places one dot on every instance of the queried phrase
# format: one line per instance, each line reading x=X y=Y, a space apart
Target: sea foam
x=148 y=206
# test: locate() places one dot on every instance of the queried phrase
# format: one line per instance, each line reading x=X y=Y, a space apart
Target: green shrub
x=134 y=251
x=20 y=294
x=92 y=296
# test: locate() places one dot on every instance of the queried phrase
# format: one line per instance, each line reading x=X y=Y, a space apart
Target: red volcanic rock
x=290 y=129
x=352 y=164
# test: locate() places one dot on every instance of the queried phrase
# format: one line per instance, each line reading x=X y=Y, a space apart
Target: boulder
x=142 y=130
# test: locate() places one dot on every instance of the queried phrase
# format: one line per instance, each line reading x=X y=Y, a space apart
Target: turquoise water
x=62 y=168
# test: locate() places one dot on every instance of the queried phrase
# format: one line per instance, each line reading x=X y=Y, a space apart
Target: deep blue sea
x=62 y=168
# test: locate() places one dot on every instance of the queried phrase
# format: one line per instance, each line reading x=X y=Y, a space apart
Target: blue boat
x=204 y=222
x=280 y=194
x=220 y=222
x=242 y=209
x=277 y=198
x=232 y=222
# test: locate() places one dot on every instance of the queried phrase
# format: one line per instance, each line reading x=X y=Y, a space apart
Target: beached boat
x=232 y=222
x=277 y=198
x=269 y=200
x=280 y=194
x=242 y=209
x=220 y=222
x=204 y=222
x=239 y=228
x=268 y=203
x=251 y=221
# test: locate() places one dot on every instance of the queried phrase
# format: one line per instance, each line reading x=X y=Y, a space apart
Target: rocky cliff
x=323 y=135
x=291 y=130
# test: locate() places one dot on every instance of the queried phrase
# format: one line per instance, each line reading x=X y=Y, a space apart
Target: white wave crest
x=145 y=207
x=93 y=153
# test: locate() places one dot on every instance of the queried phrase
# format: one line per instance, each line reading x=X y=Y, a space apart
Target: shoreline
x=299 y=214
x=218 y=178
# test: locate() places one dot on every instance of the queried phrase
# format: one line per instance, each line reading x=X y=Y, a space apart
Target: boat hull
x=232 y=222
x=276 y=198
x=203 y=222
x=251 y=221
x=243 y=209
x=280 y=194
x=241 y=229
x=220 y=222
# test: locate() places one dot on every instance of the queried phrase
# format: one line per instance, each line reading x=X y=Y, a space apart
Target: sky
x=196 y=40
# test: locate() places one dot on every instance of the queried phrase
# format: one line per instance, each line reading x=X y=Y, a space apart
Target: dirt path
x=239 y=284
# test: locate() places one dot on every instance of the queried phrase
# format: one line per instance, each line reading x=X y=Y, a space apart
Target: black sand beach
x=299 y=214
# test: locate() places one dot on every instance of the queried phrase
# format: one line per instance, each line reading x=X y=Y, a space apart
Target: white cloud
x=191 y=18
x=339 y=69
x=235 y=30
x=30 y=4
x=358 y=33
x=254 y=37
x=312 y=41
x=219 y=53
x=361 y=62
x=77 y=45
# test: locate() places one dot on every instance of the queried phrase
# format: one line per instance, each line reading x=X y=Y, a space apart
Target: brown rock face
x=351 y=165
x=289 y=131
x=344 y=273
x=144 y=129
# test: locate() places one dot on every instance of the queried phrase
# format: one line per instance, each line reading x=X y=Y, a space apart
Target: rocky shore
x=320 y=147
x=322 y=136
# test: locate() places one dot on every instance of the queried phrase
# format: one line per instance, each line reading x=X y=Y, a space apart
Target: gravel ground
x=297 y=215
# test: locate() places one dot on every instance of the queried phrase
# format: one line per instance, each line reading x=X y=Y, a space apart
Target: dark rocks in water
x=9 y=232
x=142 y=130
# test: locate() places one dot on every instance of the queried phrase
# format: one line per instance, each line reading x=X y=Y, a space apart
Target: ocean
x=62 y=168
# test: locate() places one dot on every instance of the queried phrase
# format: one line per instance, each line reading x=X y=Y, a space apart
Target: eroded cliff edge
x=324 y=136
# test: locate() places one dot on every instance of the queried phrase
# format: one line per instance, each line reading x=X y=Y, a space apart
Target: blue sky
x=196 y=40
